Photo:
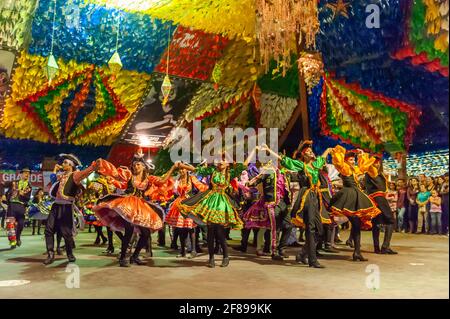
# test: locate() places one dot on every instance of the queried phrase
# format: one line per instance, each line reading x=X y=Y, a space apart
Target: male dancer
x=307 y=209
x=18 y=196
x=67 y=187
x=376 y=187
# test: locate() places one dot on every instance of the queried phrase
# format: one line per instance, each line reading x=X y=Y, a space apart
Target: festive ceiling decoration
x=193 y=54
x=239 y=66
x=274 y=82
x=15 y=20
x=340 y=7
x=278 y=23
x=366 y=119
x=276 y=111
x=81 y=105
x=209 y=101
x=88 y=33
x=230 y=18
x=428 y=163
x=427 y=36
x=310 y=67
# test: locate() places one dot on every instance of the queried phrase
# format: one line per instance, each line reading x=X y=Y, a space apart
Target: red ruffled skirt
x=174 y=217
x=114 y=210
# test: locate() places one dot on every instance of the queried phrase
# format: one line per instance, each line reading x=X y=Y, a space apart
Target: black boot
x=277 y=257
x=123 y=262
x=301 y=258
x=376 y=238
x=316 y=265
x=69 y=253
x=211 y=263
x=225 y=262
x=71 y=258
x=50 y=258
x=59 y=251
x=385 y=249
x=136 y=260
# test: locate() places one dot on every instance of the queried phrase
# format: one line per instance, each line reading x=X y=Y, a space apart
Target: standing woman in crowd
x=413 y=209
x=435 y=212
x=392 y=198
x=443 y=191
x=402 y=205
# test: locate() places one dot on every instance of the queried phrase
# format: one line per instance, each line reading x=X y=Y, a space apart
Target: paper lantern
x=166 y=88
x=52 y=67
x=115 y=64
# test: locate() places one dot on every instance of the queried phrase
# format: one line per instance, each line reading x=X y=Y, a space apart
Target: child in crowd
x=422 y=200
x=435 y=212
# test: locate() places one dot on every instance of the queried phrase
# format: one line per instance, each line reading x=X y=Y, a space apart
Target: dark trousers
x=39 y=224
x=100 y=235
x=355 y=234
x=216 y=232
x=184 y=234
x=142 y=242
x=162 y=236
x=110 y=234
x=245 y=234
x=17 y=211
x=389 y=229
x=60 y=220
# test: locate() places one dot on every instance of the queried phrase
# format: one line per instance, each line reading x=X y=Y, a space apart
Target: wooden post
x=302 y=107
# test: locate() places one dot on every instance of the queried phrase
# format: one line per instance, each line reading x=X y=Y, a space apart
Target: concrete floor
x=421 y=270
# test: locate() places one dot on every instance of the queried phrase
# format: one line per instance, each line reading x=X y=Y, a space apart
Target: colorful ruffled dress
x=184 y=189
x=309 y=198
x=351 y=201
x=214 y=206
x=112 y=210
x=259 y=215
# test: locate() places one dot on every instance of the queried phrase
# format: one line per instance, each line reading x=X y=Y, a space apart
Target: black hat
x=71 y=157
x=350 y=153
x=304 y=145
x=25 y=170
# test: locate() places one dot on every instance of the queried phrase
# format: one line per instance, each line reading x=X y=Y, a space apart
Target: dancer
x=307 y=209
x=263 y=214
x=376 y=188
x=184 y=226
x=39 y=210
x=214 y=207
x=65 y=191
x=350 y=201
x=17 y=196
x=131 y=210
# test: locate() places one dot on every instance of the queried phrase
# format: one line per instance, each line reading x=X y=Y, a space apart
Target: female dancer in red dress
x=132 y=209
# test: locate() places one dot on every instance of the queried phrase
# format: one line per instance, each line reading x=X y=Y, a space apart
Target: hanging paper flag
x=216 y=75
x=166 y=88
x=52 y=67
x=115 y=64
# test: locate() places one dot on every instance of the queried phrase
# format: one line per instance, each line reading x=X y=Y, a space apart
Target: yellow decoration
x=30 y=77
x=436 y=19
x=239 y=68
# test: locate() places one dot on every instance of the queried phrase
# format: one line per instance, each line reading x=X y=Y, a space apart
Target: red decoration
x=193 y=54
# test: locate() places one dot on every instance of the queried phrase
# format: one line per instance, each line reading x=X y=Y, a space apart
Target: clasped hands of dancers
x=224 y=202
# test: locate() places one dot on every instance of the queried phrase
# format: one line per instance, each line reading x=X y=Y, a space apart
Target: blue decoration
x=362 y=55
x=87 y=33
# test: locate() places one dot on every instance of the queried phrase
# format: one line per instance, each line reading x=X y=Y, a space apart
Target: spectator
x=392 y=198
x=402 y=205
x=435 y=212
x=413 y=190
x=429 y=183
x=444 y=195
x=422 y=200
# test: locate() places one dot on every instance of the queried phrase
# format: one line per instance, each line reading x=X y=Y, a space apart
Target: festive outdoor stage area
x=420 y=270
